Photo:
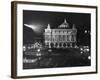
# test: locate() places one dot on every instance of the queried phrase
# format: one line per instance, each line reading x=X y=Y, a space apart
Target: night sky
x=40 y=19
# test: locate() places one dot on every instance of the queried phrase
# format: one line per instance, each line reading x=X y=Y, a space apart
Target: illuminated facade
x=62 y=37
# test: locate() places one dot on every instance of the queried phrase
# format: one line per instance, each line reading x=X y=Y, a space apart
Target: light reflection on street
x=45 y=58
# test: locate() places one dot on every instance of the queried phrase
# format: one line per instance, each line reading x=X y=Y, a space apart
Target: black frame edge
x=96 y=39
x=54 y=75
x=13 y=41
x=55 y=4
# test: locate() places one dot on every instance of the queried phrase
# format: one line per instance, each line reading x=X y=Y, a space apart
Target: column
x=70 y=36
x=70 y=44
x=74 y=38
x=62 y=44
x=54 y=44
x=58 y=45
x=66 y=38
x=49 y=44
x=62 y=36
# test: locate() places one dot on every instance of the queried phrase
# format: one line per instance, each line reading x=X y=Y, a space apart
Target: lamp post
x=38 y=54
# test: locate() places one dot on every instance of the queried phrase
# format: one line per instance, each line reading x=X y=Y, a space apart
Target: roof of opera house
x=65 y=24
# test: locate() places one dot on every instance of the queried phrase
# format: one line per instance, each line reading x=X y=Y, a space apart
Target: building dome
x=64 y=25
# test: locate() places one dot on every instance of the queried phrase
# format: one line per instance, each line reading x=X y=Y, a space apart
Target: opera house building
x=64 y=36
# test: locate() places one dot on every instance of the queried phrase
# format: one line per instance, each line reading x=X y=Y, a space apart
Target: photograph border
x=14 y=37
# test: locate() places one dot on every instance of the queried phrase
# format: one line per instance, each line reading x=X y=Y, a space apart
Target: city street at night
x=50 y=58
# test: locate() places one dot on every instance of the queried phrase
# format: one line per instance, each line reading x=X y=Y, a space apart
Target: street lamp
x=38 y=54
